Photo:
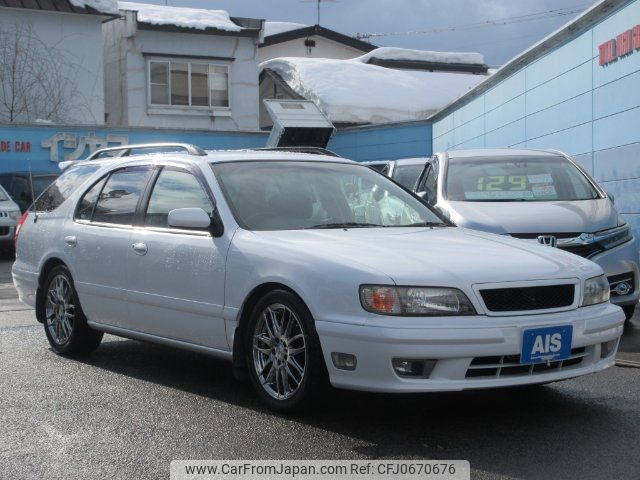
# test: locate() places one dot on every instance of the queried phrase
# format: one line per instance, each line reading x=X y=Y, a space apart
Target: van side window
x=119 y=198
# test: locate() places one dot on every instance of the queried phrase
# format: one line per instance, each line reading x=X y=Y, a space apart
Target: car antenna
x=33 y=200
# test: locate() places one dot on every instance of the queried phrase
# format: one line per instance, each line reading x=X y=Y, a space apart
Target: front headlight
x=596 y=290
x=613 y=237
x=415 y=301
x=15 y=215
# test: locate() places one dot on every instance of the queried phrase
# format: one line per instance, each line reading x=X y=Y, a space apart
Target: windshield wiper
x=426 y=224
x=345 y=225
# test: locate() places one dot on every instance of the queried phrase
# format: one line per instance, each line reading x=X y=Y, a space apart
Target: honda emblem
x=548 y=240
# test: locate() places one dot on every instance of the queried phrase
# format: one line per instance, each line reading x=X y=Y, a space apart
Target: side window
x=63 y=187
x=119 y=198
x=429 y=184
x=84 y=211
x=175 y=189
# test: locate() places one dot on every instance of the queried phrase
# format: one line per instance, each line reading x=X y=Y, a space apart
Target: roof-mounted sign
x=621 y=46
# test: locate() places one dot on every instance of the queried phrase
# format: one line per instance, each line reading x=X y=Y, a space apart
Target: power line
x=557 y=12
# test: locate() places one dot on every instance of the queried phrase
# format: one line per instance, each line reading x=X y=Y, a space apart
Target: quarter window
x=175 y=189
x=63 y=187
x=119 y=198
x=188 y=84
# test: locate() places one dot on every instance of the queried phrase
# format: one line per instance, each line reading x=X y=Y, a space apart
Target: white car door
x=99 y=242
x=176 y=277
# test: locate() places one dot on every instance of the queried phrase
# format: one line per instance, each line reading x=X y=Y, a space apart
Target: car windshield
x=290 y=195
x=407 y=175
x=3 y=195
x=531 y=179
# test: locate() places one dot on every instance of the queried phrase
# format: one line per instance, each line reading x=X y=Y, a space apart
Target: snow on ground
x=274 y=28
x=393 y=53
x=350 y=91
x=181 y=16
x=104 y=6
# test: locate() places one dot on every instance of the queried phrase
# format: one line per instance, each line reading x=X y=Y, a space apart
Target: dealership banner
x=40 y=147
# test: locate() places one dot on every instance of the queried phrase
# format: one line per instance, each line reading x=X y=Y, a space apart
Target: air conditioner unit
x=297 y=123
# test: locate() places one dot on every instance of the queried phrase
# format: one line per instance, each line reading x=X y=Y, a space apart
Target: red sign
x=623 y=45
x=15 y=146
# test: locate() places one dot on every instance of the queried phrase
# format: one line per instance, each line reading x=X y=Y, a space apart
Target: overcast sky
x=497 y=42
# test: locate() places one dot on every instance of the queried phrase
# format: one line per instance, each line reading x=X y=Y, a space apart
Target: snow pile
x=350 y=91
x=274 y=28
x=392 y=53
x=104 y=6
x=181 y=16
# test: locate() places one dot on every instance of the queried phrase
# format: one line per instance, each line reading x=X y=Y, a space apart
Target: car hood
x=439 y=256
x=535 y=217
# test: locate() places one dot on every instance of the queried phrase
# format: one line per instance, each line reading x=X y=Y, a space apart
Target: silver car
x=539 y=196
x=9 y=216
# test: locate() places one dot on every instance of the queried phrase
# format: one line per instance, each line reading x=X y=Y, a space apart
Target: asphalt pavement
x=130 y=408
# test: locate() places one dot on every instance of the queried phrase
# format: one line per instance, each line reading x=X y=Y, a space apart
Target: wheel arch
x=48 y=265
x=243 y=318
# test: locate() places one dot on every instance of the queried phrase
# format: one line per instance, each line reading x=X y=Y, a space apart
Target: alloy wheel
x=59 y=309
x=279 y=351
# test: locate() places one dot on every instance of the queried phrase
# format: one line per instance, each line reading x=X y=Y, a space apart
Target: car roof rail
x=312 y=150
x=126 y=149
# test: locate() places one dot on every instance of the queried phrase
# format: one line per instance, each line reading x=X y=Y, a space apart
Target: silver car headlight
x=613 y=237
x=415 y=301
x=15 y=215
x=596 y=290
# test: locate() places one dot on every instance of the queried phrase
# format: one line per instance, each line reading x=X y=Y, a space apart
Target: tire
x=629 y=310
x=64 y=322
x=283 y=353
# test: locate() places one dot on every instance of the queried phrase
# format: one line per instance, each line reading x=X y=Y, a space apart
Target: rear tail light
x=21 y=222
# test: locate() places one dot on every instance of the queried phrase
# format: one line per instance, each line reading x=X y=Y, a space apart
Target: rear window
x=62 y=187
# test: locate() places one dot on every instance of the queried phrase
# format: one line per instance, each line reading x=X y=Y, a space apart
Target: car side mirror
x=189 y=218
x=611 y=196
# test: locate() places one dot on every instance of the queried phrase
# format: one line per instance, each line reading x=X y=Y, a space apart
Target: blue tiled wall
x=567 y=101
x=383 y=142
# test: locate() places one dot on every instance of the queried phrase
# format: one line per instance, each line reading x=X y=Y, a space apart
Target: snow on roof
x=350 y=91
x=274 y=28
x=181 y=16
x=104 y=6
x=393 y=53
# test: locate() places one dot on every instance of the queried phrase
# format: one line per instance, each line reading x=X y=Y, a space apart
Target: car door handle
x=140 y=248
x=71 y=241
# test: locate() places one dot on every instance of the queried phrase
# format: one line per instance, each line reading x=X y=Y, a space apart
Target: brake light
x=21 y=222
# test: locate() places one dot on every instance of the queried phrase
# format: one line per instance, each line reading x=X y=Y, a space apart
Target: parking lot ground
x=130 y=408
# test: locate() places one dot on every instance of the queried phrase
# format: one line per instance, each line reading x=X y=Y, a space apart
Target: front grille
x=509 y=365
x=614 y=280
x=534 y=236
x=4 y=231
x=4 y=214
x=528 y=298
x=586 y=251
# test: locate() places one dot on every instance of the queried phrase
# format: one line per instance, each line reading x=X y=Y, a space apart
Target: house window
x=188 y=84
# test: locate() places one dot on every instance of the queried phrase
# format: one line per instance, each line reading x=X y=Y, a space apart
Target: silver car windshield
x=513 y=179
x=291 y=195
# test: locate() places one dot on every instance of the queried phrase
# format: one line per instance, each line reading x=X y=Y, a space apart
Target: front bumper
x=455 y=346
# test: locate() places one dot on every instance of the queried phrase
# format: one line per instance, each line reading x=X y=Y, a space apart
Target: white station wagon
x=300 y=268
